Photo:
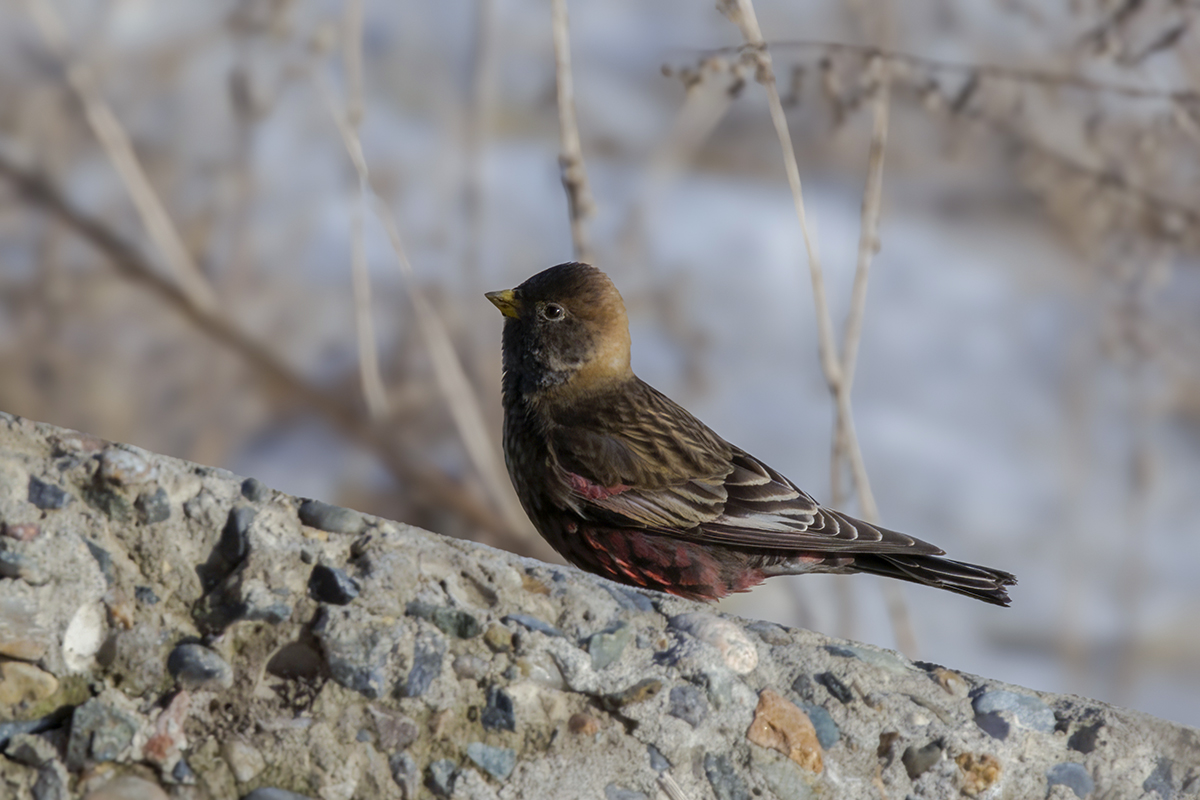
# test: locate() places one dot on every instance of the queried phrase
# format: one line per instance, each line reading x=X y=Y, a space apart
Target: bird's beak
x=506 y=301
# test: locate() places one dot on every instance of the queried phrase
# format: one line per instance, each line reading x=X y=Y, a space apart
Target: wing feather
x=659 y=468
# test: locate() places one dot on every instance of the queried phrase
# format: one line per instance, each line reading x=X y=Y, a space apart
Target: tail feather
x=972 y=580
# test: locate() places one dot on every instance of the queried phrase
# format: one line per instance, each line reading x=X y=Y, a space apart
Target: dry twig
x=838 y=371
x=570 y=159
x=448 y=370
x=374 y=393
x=1048 y=78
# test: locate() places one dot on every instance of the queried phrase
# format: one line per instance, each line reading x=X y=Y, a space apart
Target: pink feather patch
x=593 y=491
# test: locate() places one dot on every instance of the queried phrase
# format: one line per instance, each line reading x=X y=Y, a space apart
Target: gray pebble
x=331 y=585
x=182 y=773
x=993 y=725
x=103 y=558
x=428 y=653
x=835 y=686
x=688 y=703
x=1027 y=711
x=780 y=774
x=197 y=667
x=153 y=506
x=719 y=685
x=918 y=760
x=498 y=714
x=803 y=686
x=18 y=565
x=469 y=667
x=357 y=658
x=265 y=605
x=439 y=777
x=234 y=543
x=629 y=599
x=828 y=732
x=614 y=792
x=146 y=595
x=1084 y=739
x=99 y=732
x=496 y=761
x=658 y=762
x=30 y=750
x=450 y=621
x=52 y=784
x=10 y=729
x=607 y=645
x=1160 y=780
x=1075 y=777
x=334 y=519
x=108 y=503
x=726 y=783
x=395 y=730
x=121 y=466
x=254 y=490
x=533 y=624
x=47 y=496
x=273 y=793
x=405 y=773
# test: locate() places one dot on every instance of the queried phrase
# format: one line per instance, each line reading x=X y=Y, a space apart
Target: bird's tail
x=982 y=583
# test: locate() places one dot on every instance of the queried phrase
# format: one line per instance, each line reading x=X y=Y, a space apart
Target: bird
x=625 y=483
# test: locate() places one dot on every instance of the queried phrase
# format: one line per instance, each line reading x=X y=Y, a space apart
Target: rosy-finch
x=625 y=483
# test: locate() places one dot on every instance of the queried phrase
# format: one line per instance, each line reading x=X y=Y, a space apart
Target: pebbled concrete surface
x=172 y=630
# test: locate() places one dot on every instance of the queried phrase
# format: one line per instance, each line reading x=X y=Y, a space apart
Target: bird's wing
x=640 y=460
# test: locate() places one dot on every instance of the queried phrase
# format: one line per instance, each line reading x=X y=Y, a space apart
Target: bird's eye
x=553 y=312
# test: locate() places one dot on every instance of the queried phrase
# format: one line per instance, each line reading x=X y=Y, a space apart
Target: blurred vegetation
x=240 y=310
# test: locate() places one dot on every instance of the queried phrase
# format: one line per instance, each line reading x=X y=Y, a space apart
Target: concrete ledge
x=168 y=629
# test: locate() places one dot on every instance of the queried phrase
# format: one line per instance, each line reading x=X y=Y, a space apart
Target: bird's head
x=565 y=333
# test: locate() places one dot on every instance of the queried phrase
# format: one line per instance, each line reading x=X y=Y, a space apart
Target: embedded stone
x=195 y=667
x=780 y=725
x=331 y=585
x=495 y=761
x=327 y=517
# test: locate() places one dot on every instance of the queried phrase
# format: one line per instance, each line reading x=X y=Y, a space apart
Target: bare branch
x=284 y=385
x=838 y=372
x=570 y=159
x=115 y=141
x=451 y=377
x=741 y=12
x=1018 y=74
x=370 y=374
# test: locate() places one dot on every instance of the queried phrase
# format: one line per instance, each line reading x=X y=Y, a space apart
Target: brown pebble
x=950 y=680
x=24 y=683
x=779 y=724
x=21 y=531
x=583 y=724
x=498 y=638
x=886 y=740
x=534 y=585
x=640 y=692
x=73 y=442
x=979 y=772
x=121 y=609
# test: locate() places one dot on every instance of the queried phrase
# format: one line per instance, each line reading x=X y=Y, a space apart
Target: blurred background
x=256 y=234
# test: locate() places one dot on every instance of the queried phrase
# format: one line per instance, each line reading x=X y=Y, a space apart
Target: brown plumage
x=625 y=483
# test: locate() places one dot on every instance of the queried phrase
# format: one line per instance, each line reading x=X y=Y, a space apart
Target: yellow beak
x=506 y=301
